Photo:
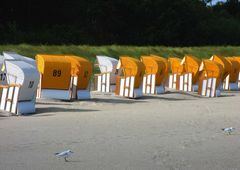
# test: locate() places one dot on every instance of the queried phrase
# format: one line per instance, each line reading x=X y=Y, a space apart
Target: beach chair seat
x=173 y=81
x=185 y=82
x=176 y=70
x=149 y=85
x=125 y=87
x=231 y=81
x=102 y=82
x=9 y=99
x=208 y=87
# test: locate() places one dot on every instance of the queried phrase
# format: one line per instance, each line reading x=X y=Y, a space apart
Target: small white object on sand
x=229 y=130
x=64 y=154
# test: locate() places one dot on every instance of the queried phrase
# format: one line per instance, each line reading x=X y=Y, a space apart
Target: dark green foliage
x=135 y=22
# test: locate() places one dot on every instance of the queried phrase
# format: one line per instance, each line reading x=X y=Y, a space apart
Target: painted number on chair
x=2 y=77
x=31 y=83
x=57 y=73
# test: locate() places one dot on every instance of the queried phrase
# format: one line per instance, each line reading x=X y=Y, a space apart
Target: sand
x=171 y=131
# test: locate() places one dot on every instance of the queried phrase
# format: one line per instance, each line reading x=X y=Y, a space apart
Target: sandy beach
x=172 y=131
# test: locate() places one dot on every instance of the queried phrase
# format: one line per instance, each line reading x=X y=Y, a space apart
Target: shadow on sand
x=55 y=102
x=41 y=111
x=113 y=100
x=166 y=98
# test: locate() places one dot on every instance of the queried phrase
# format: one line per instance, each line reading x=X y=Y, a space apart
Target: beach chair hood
x=235 y=68
x=82 y=68
x=108 y=64
x=225 y=64
x=24 y=74
x=167 y=66
x=236 y=58
x=15 y=56
x=175 y=65
x=55 y=71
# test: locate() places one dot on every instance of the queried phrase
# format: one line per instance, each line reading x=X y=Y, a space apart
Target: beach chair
x=237 y=59
x=189 y=78
x=226 y=70
x=81 y=71
x=105 y=81
x=18 y=96
x=166 y=71
x=64 y=77
x=176 y=69
x=231 y=81
x=129 y=83
x=55 y=77
x=210 y=76
x=153 y=79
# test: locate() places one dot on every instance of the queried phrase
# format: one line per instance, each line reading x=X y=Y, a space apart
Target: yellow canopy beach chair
x=226 y=69
x=129 y=84
x=167 y=68
x=153 y=80
x=64 y=76
x=55 y=76
x=189 y=78
x=231 y=82
x=210 y=77
x=176 y=70
x=237 y=58
x=81 y=71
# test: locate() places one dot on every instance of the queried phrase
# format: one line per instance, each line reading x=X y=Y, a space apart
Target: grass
x=115 y=51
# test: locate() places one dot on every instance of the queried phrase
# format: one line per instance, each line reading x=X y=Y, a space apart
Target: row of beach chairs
x=68 y=77
x=208 y=77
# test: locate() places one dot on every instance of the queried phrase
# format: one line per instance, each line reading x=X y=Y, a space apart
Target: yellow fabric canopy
x=175 y=65
x=167 y=67
x=237 y=58
x=82 y=68
x=55 y=71
x=225 y=64
x=235 y=68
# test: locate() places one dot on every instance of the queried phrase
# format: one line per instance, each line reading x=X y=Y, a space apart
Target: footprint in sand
x=166 y=160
